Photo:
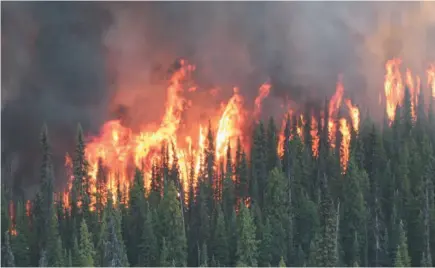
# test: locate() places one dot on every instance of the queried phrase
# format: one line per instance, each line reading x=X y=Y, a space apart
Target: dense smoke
x=70 y=62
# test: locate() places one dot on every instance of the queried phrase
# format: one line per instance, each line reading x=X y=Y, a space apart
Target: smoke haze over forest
x=65 y=63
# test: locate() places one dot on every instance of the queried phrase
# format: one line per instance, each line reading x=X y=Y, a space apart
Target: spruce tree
x=247 y=243
x=258 y=165
x=148 y=246
x=20 y=242
x=136 y=217
x=272 y=145
x=275 y=209
x=171 y=226
x=402 y=256
x=219 y=240
x=86 y=247
x=9 y=258
x=54 y=249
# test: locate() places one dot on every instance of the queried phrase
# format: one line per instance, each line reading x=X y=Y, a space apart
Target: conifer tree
x=54 y=248
x=219 y=240
x=247 y=243
x=9 y=258
x=402 y=256
x=203 y=256
x=282 y=263
x=44 y=198
x=272 y=145
x=86 y=247
x=265 y=247
x=148 y=246
x=20 y=242
x=100 y=189
x=258 y=165
x=172 y=228
x=353 y=213
x=275 y=208
x=80 y=192
x=136 y=216
x=164 y=255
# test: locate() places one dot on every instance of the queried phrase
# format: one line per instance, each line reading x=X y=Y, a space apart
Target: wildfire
x=12 y=228
x=231 y=122
x=394 y=87
x=263 y=92
x=314 y=136
x=354 y=114
x=431 y=79
x=121 y=149
x=344 y=147
x=334 y=106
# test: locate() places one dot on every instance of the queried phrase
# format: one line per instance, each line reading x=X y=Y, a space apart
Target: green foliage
x=262 y=208
x=172 y=227
x=247 y=243
x=86 y=247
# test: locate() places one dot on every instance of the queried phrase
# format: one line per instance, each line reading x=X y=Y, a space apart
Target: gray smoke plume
x=70 y=62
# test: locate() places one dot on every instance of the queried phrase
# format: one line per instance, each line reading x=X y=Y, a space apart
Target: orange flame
x=431 y=79
x=12 y=228
x=230 y=124
x=354 y=114
x=263 y=92
x=344 y=148
x=315 y=136
x=393 y=87
x=334 y=106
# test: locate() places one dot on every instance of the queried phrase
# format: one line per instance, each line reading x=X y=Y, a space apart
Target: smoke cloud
x=65 y=63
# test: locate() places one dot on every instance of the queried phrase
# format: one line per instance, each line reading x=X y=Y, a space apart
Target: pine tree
x=402 y=257
x=354 y=211
x=219 y=240
x=247 y=243
x=80 y=193
x=75 y=252
x=20 y=242
x=275 y=209
x=203 y=256
x=54 y=244
x=44 y=198
x=327 y=254
x=9 y=258
x=171 y=226
x=258 y=165
x=282 y=263
x=265 y=247
x=148 y=246
x=114 y=250
x=86 y=247
x=272 y=145
x=100 y=189
x=136 y=217
x=110 y=249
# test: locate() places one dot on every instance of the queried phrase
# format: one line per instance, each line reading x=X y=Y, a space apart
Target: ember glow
x=121 y=149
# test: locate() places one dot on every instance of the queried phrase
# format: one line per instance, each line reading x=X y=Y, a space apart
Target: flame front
x=121 y=149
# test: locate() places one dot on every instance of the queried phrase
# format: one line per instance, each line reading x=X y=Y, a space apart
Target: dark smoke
x=70 y=62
